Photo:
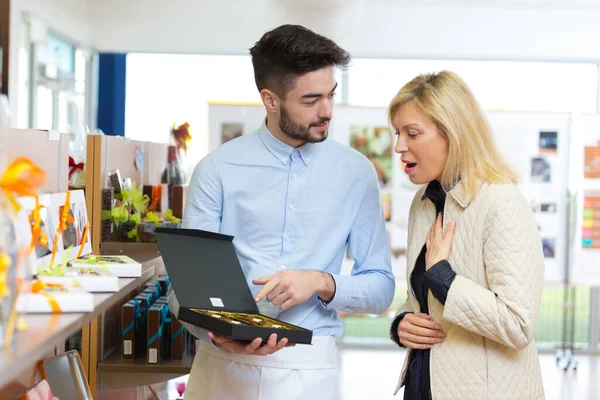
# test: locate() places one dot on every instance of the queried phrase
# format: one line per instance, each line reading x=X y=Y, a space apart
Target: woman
x=475 y=264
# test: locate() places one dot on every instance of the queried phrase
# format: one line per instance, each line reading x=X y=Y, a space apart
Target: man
x=293 y=202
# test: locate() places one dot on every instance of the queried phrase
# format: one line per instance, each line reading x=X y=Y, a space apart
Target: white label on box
x=127 y=347
x=216 y=302
x=153 y=356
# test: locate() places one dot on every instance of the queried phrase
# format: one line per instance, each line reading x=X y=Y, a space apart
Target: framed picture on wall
x=548 y=142
x=230 y=131
x=375 y=143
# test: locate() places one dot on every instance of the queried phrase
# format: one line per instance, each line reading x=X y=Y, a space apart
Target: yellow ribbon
x=21 y=178
x=5 y=263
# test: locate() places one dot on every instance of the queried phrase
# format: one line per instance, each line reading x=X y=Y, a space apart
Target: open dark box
x=212 y=290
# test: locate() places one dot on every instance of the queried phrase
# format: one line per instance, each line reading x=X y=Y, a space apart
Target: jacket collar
x=459 y=194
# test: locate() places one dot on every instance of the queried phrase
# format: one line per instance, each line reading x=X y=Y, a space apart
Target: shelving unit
x=106 y=369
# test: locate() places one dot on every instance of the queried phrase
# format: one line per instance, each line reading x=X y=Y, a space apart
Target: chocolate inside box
x=212 y=290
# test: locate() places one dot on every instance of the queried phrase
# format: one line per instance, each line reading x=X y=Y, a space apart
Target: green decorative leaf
x=169 y=215
x=136 y=218
x=152 y=217
x=134 y=234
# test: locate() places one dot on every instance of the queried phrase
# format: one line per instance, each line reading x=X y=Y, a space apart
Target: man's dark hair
x=287 y=52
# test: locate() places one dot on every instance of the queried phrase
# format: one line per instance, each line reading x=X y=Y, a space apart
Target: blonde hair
x=472 y=152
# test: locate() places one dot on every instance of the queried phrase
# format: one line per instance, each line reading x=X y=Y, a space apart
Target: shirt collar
x=458 y=192
x=283 y=151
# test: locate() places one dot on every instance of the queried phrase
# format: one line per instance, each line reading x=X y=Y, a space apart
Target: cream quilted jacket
x=492 y=309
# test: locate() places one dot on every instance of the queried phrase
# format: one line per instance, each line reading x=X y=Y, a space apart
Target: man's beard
x=298 y=132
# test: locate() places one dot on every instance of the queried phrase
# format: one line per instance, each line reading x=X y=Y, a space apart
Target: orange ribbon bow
x=21 y=178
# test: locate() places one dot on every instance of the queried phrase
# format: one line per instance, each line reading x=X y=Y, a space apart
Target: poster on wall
x=540 y=170
x=586 y=241
x=592 y=161
x=375 y=143
x=590 y=235
x=548 y=142
x=230 y=131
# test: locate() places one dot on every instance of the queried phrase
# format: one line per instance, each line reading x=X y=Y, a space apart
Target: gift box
x=145 y=301
x=129 y=324
x=166 y=331
x=212 y=290
x=153 y=291
x=157 y=318
x=93 y=280
x=164 y=198
x=164 y=282
x=177 y=339
x=154 y=285
x=179 y=198
x=59 y=298
x=147 y=191
x=115 y=181
x=108 y=198
x=119 y=266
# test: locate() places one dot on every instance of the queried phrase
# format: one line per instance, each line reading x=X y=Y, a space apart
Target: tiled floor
x=372 y=375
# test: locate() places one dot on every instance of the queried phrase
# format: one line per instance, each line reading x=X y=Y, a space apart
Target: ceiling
x=541 y=4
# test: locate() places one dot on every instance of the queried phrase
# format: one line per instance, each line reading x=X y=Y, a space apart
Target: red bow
x=74 y=167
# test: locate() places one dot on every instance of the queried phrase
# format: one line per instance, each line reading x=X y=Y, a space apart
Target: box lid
x=205 y=271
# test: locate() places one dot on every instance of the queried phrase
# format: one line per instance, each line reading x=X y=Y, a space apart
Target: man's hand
x=288 y=288
x=253 y=348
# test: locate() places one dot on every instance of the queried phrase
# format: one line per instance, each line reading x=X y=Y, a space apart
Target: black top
x=438 y=279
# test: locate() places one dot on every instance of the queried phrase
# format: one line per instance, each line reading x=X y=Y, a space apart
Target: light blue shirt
x=298 y=209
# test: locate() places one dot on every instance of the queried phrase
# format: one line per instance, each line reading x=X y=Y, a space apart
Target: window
x=163 y=89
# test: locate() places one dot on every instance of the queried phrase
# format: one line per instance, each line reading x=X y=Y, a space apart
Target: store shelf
x=48 y=330
x=116 y=373
x=114 y=363
x=141 y=252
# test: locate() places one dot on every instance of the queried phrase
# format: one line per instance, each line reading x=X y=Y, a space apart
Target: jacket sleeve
x=508 y=311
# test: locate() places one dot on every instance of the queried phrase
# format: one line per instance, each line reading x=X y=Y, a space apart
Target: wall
x=381 y=29
x=374 y=28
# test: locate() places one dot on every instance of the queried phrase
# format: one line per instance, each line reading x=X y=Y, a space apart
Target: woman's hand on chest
x=438 y=242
